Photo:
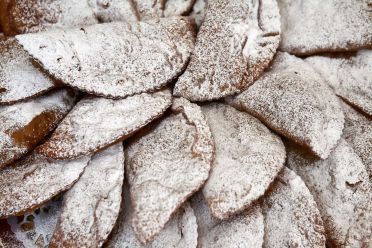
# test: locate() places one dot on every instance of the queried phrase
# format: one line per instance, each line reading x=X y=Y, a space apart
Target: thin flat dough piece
x=95 y=123
x=349 y=76
x=342 y=191
x=20 y=16
x=292 y=218
x=34 y=229
x=296 y=102
x=116 y=59
x=248 y=158
x=358 y=133
x=19 y=78
x=181 y=231
x=25 y=124
x=245 y=35
x=91 y=207
x=166 y=165
x=325 y=26
x=243 y=230
x=34 y=180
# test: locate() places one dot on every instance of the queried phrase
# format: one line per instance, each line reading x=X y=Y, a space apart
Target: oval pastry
x=235 y=43
x=296 y=102
x=349 y=75
x=166 y=164
x=35 y=180
x=248 y=158
x=96 y=123
x=90 y=207
x=292 y=218
x=342 y=191
x=116 y=59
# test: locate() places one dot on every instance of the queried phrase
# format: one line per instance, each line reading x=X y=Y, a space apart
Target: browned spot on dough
x=29 y=135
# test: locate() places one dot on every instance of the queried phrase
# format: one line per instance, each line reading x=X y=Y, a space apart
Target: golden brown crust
x=25 y=124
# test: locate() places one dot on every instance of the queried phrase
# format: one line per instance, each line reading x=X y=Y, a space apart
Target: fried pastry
x=295 y=101
x=325 y=26
x=235 y=43
x=116 y=59
x=95 y=123
x=34 y=180
x=349 y=76
x=358 y=133
x=91 y=207
x=342 y=191
x=292 y=218
x=248 y=159
x=165 y=165
x=20 y=16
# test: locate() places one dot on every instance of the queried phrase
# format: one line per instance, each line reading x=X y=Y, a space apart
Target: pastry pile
x=185 y=123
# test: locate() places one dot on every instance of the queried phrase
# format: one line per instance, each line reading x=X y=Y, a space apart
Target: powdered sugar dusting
x=321 y=26
x=180 y=231
x=296 y=102
x=165 y=165
x=36 y=228
x=349 y=76
x=245 y=35
x=34 y=180
x=342 y=191
x=95 y=123
x=19 y=79
x=292 y=218
x=358 y=133
x=18 y=16
x=91 y=207
x=25 y=124
x=115 y=59
x=248 y=158
x=244 y=230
